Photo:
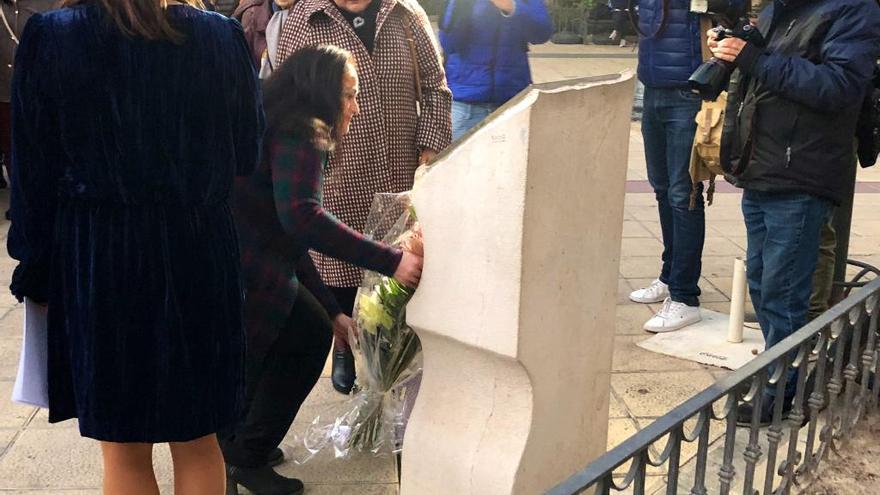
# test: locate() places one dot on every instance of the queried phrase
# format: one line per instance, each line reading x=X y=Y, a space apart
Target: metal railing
x=837 y=351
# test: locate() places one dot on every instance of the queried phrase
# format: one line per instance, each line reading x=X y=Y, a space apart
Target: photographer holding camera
x=670 y=50
x=788 y=142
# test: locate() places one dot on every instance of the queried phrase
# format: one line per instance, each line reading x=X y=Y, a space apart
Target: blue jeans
x=783 y=244
x=668 y=129
x=467 y=115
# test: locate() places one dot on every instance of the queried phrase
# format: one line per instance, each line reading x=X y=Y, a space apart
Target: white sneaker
x=673 y=316
x=653 y=293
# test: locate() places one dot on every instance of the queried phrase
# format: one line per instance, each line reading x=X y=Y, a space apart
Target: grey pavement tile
x=634 y=230
x=61 y=461
x=641 y=267
x=643 y=246
x=653 y=394
x=653 y=226
x=725 y=228
x=619 y=430
x=10 y=351
x=709 y=293
x=615 y=407
x=352 y=489
x=631 y=318
x=717 y=266
x=51 y=460
x=6 y=438
x=7 y=300
x=629 y=358
x=644 y=213
x=623 y=290
x=41 y=422
x=12 y=415
x=640 y=199
x=11 y=324
x=357 y=468
x=721 y=246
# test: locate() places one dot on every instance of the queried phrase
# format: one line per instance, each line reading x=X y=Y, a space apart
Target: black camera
x=711 y=78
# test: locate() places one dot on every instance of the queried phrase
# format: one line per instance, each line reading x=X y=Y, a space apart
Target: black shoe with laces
x=260 y=481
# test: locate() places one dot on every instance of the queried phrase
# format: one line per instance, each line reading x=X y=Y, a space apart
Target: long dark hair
x=303 y=97
x=142 y=18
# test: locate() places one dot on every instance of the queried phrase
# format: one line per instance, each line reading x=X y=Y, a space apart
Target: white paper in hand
x=32 y=382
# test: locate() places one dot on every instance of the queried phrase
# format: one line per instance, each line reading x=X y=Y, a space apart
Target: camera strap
x=705 y=26
x=633 y=19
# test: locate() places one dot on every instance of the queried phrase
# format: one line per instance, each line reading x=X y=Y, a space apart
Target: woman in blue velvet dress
x=130 y=120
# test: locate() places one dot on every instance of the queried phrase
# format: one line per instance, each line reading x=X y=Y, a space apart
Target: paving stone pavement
x=39 y=458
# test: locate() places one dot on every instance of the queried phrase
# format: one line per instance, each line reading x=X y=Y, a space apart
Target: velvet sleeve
x=34 y=175
x=297 y=176
x=249 y=121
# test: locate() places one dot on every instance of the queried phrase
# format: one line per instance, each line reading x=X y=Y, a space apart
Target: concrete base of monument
x=706 y=342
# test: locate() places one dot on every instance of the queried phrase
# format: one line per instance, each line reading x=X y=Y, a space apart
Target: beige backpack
x=706 y=151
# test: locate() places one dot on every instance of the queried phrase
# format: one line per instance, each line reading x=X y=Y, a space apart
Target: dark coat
x=125 y=152
x=792 y=118
x=254 y=15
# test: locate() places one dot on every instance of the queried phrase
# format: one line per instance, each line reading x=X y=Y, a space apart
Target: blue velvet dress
x=125 y=152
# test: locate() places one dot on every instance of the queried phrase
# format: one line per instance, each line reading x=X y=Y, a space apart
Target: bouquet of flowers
x=387 y=351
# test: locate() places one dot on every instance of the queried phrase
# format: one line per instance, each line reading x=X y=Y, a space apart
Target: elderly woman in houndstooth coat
x=389 y=139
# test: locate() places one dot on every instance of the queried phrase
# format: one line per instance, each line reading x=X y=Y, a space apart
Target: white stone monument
x=522 y=222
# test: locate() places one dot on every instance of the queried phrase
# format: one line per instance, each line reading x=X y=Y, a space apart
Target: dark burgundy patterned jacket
x=280 y=216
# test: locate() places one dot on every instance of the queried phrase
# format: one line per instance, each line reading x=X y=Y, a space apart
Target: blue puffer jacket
x=486 y=52
x=667 y=60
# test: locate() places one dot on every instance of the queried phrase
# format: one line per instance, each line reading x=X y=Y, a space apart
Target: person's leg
x=466 y=115
x=128 y=469
x=689 y=225
x=793 y=223
x=198 y=466
x=654 y=136
x=823 y=278
x=288 y=375
x=676 y=109
x=343 y=375
x=756 y=236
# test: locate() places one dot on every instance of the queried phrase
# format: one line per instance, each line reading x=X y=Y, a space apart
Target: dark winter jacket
x=791 y=121
x=669 y=51
x=487 y=52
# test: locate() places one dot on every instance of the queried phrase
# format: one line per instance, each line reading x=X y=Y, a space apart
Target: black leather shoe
x=276 y=457
x=260 y=481
x=343 y=371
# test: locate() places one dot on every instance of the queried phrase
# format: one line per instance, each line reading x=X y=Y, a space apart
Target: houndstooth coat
x=381 y=151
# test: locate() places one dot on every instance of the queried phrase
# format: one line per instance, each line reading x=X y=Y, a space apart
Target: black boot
x=276 y=457
x=260 y=481
x=343 y=371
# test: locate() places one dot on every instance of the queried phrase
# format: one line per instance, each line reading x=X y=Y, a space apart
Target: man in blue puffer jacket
x=486 y=44
x=669 y=52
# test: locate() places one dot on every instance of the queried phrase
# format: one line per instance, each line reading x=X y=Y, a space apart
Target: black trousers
x=277 y=386
x=345 y=297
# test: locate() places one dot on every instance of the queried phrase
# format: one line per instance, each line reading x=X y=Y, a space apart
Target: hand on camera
x=727 y=49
